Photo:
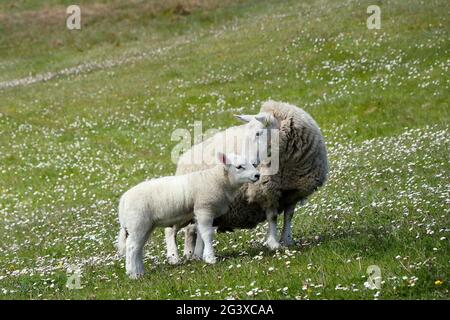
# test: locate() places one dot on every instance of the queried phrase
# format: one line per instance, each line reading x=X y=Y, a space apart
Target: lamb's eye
x=258 y=134
x=239 y=167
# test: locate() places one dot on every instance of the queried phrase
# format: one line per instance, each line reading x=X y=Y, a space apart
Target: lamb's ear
x=244 y=117
x=222 y=157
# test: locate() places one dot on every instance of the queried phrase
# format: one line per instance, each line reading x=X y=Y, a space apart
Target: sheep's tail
x=123 y=234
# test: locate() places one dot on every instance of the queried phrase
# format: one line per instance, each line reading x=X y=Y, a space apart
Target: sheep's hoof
x=173 y=260
x=196 y=257
x=210 y=259
x=273 y=244
x=188 y=257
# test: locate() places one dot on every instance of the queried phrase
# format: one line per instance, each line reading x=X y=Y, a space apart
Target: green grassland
x=101 y=119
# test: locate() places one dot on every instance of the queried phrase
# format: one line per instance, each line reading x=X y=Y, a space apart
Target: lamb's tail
x=121 y=241
x=123 y=234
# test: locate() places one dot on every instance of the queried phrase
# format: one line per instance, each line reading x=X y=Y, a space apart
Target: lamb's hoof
x=135 y=276
x=288 y=242
x=273 y=244
x=173 y=260
x=210 y=259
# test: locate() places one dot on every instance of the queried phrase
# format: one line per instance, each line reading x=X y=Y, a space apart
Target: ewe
x=303 y=168
x=176 y=200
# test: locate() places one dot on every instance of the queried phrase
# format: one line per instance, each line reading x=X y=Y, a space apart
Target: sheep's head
x=258 y=130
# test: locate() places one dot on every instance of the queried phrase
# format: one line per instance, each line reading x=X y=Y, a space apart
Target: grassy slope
x=69 y=147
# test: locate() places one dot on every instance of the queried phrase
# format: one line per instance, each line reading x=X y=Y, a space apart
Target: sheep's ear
x=275 y=122
x=262 y=118
x=268 y=121
x=244 y=117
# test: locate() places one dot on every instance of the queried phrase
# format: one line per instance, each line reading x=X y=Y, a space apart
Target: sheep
x=303 y=168
x=249 y=140
x=175 y=201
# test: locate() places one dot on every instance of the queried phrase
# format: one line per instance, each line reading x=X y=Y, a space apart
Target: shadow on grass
x=371 y=240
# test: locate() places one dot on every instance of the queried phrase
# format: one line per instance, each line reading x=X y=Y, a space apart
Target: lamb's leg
x=134 y=253
x=286 y=234
x=171 y=244
x=190 y=237
x=271 y=240
x=206 y=231
x=199 y=246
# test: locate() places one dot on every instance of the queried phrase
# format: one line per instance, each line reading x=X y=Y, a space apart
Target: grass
x=71 y=145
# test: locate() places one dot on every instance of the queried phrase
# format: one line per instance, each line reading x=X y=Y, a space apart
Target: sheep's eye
x=258 y=134
x=239 y=167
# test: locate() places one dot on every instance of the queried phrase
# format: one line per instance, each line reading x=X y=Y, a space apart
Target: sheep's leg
x=171 y=243
x=134 y=264
x=286 y=234
x=206 y=230
x=199 y=246
x=190 y=237
x=271 y=240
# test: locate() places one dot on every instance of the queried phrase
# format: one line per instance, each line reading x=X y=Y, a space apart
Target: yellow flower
x=438 y=282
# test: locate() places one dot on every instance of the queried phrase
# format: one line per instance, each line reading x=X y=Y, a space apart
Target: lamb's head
x=238 y=169
x=258 y=129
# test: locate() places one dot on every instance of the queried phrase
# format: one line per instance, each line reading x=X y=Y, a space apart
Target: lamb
x=303 y=168
x=175 y=201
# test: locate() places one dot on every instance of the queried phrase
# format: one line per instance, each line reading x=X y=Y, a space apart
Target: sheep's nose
x=257 y=175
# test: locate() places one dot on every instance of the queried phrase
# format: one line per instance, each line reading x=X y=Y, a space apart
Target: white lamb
x=176 y=200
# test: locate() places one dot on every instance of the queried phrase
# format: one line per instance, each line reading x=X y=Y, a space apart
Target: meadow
x=86 y=114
